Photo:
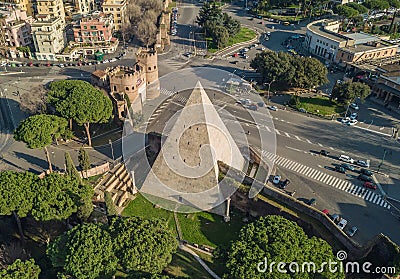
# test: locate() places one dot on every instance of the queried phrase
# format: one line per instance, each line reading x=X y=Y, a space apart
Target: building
x=53 y=8
x=324 y=40
x=118 y=9
x=15 y=27
x=48 y=37
x=131 y=86
x=84 y=6
x=387 y=87
x=94 y=28
x=24 y=5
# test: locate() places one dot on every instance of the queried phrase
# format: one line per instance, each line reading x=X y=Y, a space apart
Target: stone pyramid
x=186 y=169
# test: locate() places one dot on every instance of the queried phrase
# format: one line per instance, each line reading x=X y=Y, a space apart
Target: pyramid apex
x=198 y=85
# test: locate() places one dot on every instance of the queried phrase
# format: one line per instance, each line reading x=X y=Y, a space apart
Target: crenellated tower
x=147 y=58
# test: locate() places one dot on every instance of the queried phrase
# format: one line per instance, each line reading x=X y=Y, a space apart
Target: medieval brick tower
x=147 y=58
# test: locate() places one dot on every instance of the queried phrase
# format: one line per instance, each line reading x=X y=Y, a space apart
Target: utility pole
x=112 y=150
x=383 y=159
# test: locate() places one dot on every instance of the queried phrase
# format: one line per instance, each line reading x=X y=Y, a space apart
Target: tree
x=146 y=31
x=142 y=245
x=21 y=270
x=90 y=105
x=39 y=131
x=376 y=5
x=16 y=195
x=110 y=206
x=70 y=168
x=59 y=196
x=86 y=252
x=275 y=239
x=346 y=11
x=347 y=92
x=358 y=7
x=84 y=160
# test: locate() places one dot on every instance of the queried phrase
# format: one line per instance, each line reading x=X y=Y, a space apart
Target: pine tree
x=110 y=206
x=84 y=161
x=70 y=168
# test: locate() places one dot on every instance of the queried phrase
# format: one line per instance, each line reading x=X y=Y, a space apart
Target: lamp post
x=112 y=149
x=269 y=88
x=383 y=159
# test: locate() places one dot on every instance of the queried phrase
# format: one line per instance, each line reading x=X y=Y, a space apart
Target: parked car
x=369 y=185
x=354 y=106
x=335 y=218
x=342 y=223
x=302 y=110
x=253 y=107
x=30 y=64
x=364 y=177
x=312 y=202
x=366 y=172
x=284 y=183
x=346 y=159
x=324 y=152
x=268 y=33
x=352 y=231
x=347 y=167
x=352 y=122
x=61 y=65
x=363 y=163
x=353 y=115
x=340 y=169
x=345 y=120
x=277 y=179
x=274 y=108
x=325 y=211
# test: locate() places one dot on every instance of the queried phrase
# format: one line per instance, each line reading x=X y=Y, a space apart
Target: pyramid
x=187 y=164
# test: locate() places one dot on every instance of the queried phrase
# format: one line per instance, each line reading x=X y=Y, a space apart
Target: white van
x=346 y=159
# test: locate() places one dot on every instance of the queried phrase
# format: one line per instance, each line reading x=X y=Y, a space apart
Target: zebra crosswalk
x=328 y=179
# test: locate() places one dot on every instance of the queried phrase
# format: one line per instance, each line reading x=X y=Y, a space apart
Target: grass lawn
x=210 y=229
x=319 y=105
x=209 y=260
x=185 y=265
x=141 y=207
x=245 y=34
x=287 y=18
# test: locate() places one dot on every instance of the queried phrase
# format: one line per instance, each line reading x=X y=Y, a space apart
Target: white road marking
x=286 y=134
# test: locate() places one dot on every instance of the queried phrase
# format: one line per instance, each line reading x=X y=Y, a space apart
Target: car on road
x=347 y=167
x=354 y=115
x=364 y=177
x=312 y=202
x=284 y=183
x=111 y=60
x=244 y=50
x=234 y=62
x=246 y=56
x=352 y=231
x=302 y=110
x=342 y=223
x=352 y=122
x=61 y=65
x=354 y=106
x=30 y=64
x=253 y=107
x=340 y=169
x=260 y=104
x=363 y=163
x=366 y=172
x=263 y=48
x=324 y=152
x=335 y=218
x=325 y=211
x=268 y=33
x=274 y=108
x=345 y=120
x=369 y=185
x=277 y=179
x=188 y=54
x=346 y=159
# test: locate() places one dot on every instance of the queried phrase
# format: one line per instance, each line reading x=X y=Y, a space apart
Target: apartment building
x=48 y=37
x=15 y=28
x=24 y=5
x=118 y=9
x=84 y=6
x=53 y=8
x=94 y=28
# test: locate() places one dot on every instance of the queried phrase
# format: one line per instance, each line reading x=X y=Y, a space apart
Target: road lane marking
x=376 y=197
x=297 y=137
x=277 y=132
x=287 y=134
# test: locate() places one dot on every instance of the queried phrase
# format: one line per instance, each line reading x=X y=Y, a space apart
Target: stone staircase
x=119 y=183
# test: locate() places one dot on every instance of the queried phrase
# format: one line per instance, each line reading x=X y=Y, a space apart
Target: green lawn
x=141 y=207
x=320 y=105
x=245 y=34
x=210 y=229
x=185 y=265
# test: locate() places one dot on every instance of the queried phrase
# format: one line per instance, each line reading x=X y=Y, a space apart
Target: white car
x=277 y=179
x=342 y=224
x=113 y=59
x=354 y=106
x=268 y=33
x=263 y=48
x=363 y=163
x=352 y=122
x=274 y=108
x=61 y=65
x=353 y=115
x=345 y=120
x=346 y=159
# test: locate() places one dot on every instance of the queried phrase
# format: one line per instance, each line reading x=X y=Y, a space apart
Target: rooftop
x=318 y=28
x=367 y=47
x=361 y=38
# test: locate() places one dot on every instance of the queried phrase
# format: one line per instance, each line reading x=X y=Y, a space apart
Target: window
x=115 y=88
x=111 y=9
x=149 y=68
x=118 y=9
x=85 y=27
x=106 y=9
x=118 y=15
x=127 y=88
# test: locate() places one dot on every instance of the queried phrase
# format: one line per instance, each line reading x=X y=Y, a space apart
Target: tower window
x=127 y=88
x=149 y=68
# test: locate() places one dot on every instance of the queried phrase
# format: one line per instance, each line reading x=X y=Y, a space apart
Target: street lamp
x=383 y=159
x=112 y=149
x=269 y=88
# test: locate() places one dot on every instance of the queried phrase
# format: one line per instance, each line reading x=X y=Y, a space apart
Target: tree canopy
x=85 y=251
x=59 y=196
x=21 y=270
x=217 y=25
x=142 y=245
x=303 y=72
x=347 y=92
x=276 y=239
x=80 y=101
x=39 y=131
